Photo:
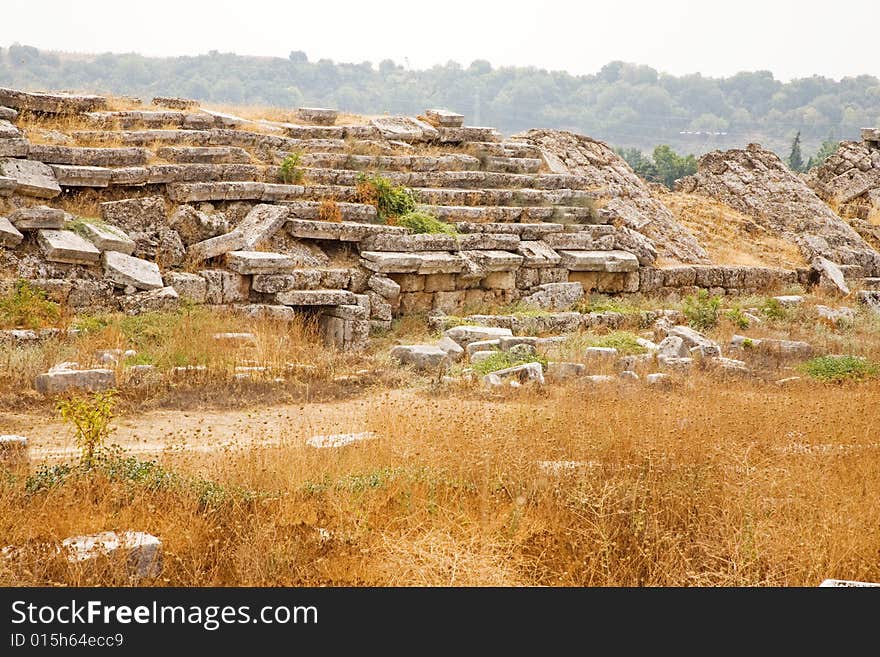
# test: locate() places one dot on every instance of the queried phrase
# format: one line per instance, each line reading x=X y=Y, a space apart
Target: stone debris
x=261 y=223
x=163 y=299
x=317 y=115
x=259 y=262
x=108 y=238
x=560 y=371
x=37 y=217
x=340 y=439
x=420 y=356
x=67 y=247
x=10 y=237
x=756 y=182
x=124 y=270
x=554 y=296
x=32 y=178
x=60 y=380
x=464 y=335
x=830 y=276
x=525 y=373
x=51 y=103
x=142 y=552
x=444 y=118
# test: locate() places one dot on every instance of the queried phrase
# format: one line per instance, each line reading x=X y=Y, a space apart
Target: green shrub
x=840 y=368
x=736 y=316
x=391 y=201
x=625 y=342
x=91 y=418
x=501 y=360
x=90 y=323
x=422 y=222
x=701 y=310
x=26 y=307
x=772 y=309
x=291 y=172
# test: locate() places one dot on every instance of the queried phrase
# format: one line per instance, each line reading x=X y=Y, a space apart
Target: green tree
x=827 y=149
x=671 y=166
x=795 y=159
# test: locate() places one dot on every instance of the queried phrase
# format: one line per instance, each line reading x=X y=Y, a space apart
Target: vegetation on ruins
x=702 y=310
x=423 y=222
x=625 y=104
x=500 y=360
x=290 y=172
x=91 y=417
x=329 y=210
x=26 y=307
x=663 y=166
x=391 y=201
x=795 y=160
x=840 y=368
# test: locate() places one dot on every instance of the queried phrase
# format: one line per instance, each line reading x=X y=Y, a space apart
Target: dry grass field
x=711 y=481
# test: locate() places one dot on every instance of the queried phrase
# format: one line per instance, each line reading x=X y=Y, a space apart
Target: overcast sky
x=790 y=38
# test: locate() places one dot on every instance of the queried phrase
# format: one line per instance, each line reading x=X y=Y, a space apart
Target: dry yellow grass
x=708 y=484
x=730 y=237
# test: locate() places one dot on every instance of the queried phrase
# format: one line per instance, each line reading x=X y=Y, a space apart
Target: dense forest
x=627 y=105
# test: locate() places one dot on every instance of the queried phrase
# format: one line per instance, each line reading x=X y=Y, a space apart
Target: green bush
x=422 y=222
x=27 y=307
x=391 y=201
x=501 y=360
x=91 y=418
x=624 y=341
x=290 y=171
x=840 y=368
x=772 y=309
x=701 y=310
x=736 y=316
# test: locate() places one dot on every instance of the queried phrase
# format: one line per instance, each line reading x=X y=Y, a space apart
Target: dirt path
x=155 y=432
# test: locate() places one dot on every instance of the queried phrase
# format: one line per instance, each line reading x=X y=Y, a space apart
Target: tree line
x=630 y=106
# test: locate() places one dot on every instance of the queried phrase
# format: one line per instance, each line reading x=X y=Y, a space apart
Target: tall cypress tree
x=795 y=159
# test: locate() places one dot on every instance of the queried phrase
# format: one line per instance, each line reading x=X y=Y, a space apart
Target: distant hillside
x=624 y=104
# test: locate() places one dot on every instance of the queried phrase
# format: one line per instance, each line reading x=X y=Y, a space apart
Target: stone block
x=68 y=247
x=125 y=270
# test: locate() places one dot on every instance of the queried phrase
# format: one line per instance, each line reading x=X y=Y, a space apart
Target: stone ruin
x=192 y=206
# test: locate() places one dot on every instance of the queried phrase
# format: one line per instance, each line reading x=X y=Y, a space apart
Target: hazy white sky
x=791 y=38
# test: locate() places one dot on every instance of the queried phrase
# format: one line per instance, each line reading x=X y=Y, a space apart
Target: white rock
x=142 y=551
x=123 y=270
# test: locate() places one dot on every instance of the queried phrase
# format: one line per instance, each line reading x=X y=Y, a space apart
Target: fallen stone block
x=190 y=287
x=340 y=439
x=124 y=270
x=163 y=299
x=69 y=175
x=692 y=338
x=482 y=345
x=38 y=217
x=444 y=118
x=317 y=115
x=236 y=338
x=830 y=276
x=175 y=103
x=554 y=296
x=464 y=335
x=658 y=378
x=142 y=552
x=453 y=350
x=107 y=237
x=536 y=254
x=10 y=237
x=420 y=356
x=51 y=103
x=384 y=286
x=789 y=300
x=195 y=226
x=31 y=178
x=561 y=371
x=261 y=223
x=68 y=247
x=61 y=380
x=405 y=129
x=525 y=373
x=600 y=354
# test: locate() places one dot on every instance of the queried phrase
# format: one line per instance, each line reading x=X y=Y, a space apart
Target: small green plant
x=27 y=307
x=748 y=343
x=840 y=368
x=291 y=172
x=773 y=309
x=625 y=342
x=736 y=316
x=391 y=201
x=91 y=418
x=701 y=310
x=78 y=225
x=501 y=360
x=90 y=323
x=422 y=222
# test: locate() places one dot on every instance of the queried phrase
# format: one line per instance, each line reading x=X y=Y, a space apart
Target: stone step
x=523 y=197
x=514 y=214
x=69 y=175
x=317 y=115
x=503 y=149
x=326 y=278
x=357 y=212
x=8 y=114
x=151 y=119
x=14 y=147
x=602 y=261
x=405 y=163
x=457 y=179
x=38 y=217
x=344 y=231
x=316 y=298
x=7 y=186
x=83 y=156
x=204 y=154
x=260 y=262
x=330 y=131
x=525 y=231
x=504 y=164
x=185 y=173
x=125 y=270
x=10 y=237
x=468 y=134
x=51 y=103
x=9 y=131
x=439 y=242
x=420 y=262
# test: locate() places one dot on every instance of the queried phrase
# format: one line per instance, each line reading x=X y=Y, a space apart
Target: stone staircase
x=194 y=208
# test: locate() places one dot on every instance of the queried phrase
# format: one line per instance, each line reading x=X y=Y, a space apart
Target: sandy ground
x=157 y=432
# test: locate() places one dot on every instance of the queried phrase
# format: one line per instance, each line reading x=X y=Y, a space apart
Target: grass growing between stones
x=720 y=484
x=25 y=307
x=500 y=360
